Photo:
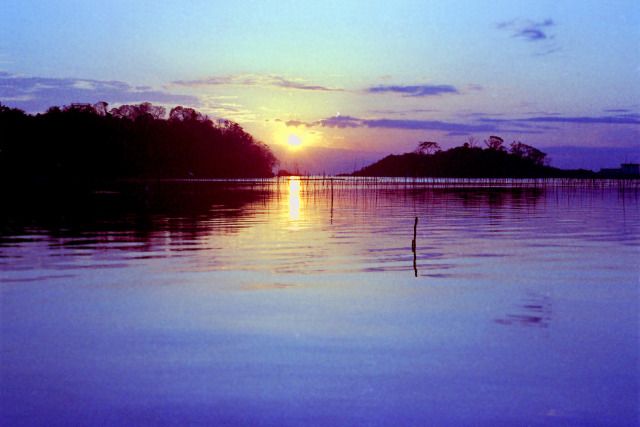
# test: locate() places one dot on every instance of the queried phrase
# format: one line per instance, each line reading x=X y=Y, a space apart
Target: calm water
x=297 y=303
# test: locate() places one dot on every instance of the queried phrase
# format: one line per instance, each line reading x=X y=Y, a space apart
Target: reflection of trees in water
x=179 y=212
x=497 y=197
x=498 y=206
x=353 y=190
x=534 y=311
x=138 y=212
x=494 y=201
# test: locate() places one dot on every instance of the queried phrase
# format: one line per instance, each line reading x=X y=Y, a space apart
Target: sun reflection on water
x=294 y=201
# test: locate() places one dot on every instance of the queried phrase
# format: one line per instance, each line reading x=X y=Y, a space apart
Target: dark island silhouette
x=88 y=143
x=471 y=161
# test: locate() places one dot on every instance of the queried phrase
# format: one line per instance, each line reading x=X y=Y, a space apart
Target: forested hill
x=89 y=142
x=495 y=161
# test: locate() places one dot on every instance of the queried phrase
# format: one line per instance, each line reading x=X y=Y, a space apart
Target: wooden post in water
x=415 y=230
x=413 y=246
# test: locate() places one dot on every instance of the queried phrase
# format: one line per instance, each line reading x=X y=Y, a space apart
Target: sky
x=349 y=82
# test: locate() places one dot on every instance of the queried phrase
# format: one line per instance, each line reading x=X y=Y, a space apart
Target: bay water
x=301 y=302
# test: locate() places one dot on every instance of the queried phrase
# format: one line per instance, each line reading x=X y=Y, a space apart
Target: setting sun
x=295 y=140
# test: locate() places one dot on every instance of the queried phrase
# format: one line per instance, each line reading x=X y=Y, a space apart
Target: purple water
x=297 y=303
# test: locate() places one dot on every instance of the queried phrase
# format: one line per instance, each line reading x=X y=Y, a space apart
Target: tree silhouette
x=100 y=108
x=84 y=142
x=428 y=147
x=522 y=161
x=518 y=148
x=180 y=113
x=495 y=143
x=472 y=142
x=527 y=152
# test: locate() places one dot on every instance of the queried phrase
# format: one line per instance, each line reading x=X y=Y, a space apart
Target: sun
x=294 y=140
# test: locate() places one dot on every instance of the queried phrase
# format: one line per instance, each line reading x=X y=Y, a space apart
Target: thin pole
x=413 y=246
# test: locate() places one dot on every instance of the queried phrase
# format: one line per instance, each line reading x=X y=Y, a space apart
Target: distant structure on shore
x=626 y=170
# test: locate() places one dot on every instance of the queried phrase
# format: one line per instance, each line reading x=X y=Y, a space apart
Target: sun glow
x=295 y=141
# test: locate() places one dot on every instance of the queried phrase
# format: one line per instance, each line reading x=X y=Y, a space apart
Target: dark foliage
x=89 y=143
x=427 y=147
x=465 y=162
x=495 y=143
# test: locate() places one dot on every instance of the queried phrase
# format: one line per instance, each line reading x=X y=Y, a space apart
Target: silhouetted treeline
x=469 y=161
x=89 y=142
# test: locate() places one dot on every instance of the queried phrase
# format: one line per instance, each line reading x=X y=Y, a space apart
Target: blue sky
x=360 y=79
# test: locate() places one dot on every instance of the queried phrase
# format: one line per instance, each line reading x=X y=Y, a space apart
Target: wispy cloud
x=624 y=119
x=404 y=112
x=531 y=34
x=3 y=59
x=296 y=123
x=528 y=29
x=34 y=94
x=618 y=110
x=413 y=91
x=474 y=87
x=631 y=119
x=476 y=123
x=342 y=122
x=538 y=32
x=331 y=122
x=261 y=80
x=276 y=81
x=428 y=125
x=546 y=52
